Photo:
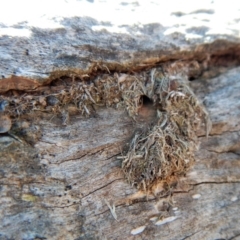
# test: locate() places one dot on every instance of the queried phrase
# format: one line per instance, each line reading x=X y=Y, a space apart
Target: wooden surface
x=60 y=186
x=70 y=38
x=64 y=181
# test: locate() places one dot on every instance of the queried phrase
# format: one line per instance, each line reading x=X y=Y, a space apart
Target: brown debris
x=167 y=148
x=159 y=99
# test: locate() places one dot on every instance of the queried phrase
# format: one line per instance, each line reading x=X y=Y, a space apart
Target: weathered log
x=60 y=175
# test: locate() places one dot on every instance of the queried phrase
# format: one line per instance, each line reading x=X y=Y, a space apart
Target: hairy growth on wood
x=167 y=148
x=164 y=148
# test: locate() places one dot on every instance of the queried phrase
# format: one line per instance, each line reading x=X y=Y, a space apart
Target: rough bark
x=32 y=56
x=58 y=188
x=63 y=181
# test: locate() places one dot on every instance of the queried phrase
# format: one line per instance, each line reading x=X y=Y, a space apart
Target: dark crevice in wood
x=189 y=236
x=119 y=179
x=234 y=237
x=70 y=159
x=219 y=134
x=115 y=155
x=64 y=206
x=220 y=182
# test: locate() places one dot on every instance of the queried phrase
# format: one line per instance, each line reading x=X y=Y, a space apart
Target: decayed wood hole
x=62 y=166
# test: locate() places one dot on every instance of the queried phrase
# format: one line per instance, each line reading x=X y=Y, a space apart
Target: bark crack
x=64 y=206
x=219 y=134
x=102 y=187
x=234 y=237
x=88 y=153
x=190 y=235
x=223 y=182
